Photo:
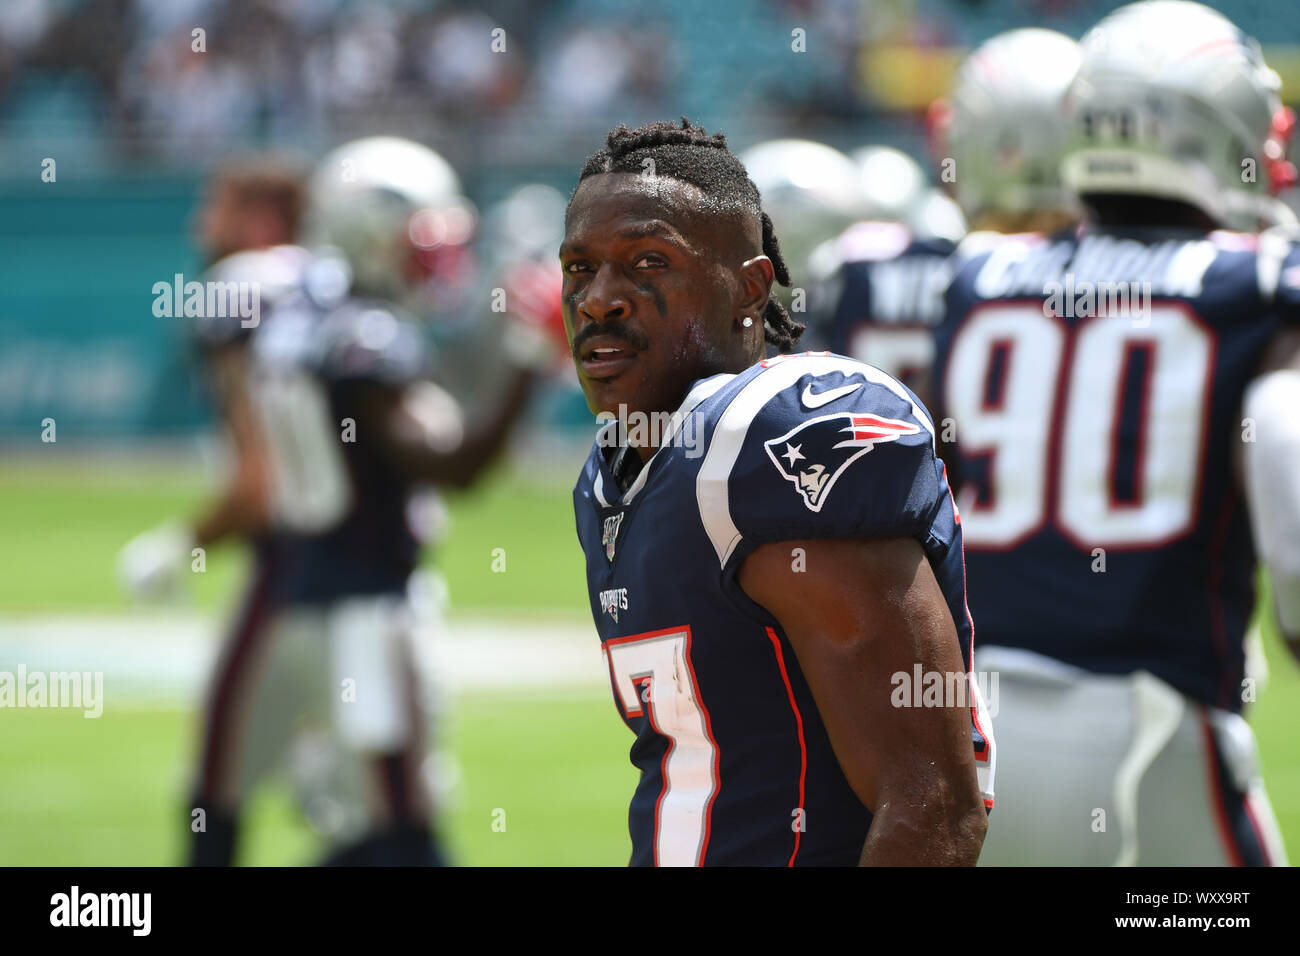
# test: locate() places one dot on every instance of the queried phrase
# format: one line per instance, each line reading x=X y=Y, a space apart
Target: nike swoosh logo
x=813 y=399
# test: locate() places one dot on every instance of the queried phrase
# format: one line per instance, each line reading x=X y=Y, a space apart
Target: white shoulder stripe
x=702 y=390
x=598 y=486
x=880 y=378
x=712 y=490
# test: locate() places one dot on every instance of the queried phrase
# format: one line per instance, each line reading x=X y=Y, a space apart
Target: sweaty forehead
x=608 y=201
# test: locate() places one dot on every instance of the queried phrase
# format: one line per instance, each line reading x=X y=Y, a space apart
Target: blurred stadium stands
x=113 y=91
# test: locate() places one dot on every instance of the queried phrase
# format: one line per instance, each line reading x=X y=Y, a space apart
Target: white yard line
x=163 y=656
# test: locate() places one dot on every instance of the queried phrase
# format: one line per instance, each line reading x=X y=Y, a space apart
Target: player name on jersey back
x=885 y=299
x=1173 y=268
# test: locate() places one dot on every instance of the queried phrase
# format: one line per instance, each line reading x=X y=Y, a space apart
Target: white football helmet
x=893 y=183
x=527 y=223
x=1174 y=101
x=894 y=189
x=1000 y=135
x=391 y=208
x=812 y=192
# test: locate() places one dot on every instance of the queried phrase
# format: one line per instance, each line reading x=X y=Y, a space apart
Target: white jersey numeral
x=903 y=352
x=652 y=674
x=1008 y=428
x=1009 y=418
x=310 y=488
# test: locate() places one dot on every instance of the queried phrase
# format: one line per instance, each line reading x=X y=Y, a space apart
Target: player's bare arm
x=1269 y=464
x=150 y=564
x=862 y=611
x=241 y=509
x=251 y=209
x=420 y=429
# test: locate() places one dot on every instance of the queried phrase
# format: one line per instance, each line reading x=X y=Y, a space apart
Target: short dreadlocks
x=690 y=154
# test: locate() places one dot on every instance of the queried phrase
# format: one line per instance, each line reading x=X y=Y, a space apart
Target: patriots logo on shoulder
x=815 y=454
x=609 y=538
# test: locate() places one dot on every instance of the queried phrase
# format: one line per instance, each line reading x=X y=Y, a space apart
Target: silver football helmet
x=812 y=192
x=1174 y=101
x=527 y=223
x=894 y=189
x=893 y=183
x=391 y=209
x=999 y=136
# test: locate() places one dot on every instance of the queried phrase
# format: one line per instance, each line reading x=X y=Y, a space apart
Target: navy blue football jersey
x=1094 y=386
x=349 y=519
x=885 y=299
x=736 y=765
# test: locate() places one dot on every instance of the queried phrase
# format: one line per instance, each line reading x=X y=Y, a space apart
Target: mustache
x=618 y=331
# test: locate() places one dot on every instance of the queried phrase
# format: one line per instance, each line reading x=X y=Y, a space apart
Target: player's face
x=218 y=223
x=649 y=307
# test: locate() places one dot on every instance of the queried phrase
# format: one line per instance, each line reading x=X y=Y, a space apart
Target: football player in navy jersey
x=1106 y=389
x=878 y=286
x=999 y=134
x=352 y=434
x=997 y=138
x=358 y=439
x=773 y=556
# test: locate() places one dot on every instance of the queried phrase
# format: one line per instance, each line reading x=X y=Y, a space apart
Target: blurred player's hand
x=150 y=564
x=534 y=335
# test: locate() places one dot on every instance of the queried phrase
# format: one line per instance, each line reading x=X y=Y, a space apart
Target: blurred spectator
x=313 y=72
x=461 y=68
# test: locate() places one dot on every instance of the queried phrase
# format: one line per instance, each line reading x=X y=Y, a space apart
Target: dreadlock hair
x=690 y=154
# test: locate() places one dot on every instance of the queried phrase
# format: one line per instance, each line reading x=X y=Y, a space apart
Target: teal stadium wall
x=79 y=342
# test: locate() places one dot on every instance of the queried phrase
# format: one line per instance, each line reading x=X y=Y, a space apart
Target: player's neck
x=1135 y=212
x=626 y=461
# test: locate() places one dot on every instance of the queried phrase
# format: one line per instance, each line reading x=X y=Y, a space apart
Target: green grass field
x=63 y=524
x=109 y=791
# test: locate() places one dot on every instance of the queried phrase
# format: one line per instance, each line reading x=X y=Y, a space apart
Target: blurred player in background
x=246 y=226
x=997 y=141
x=999 y=136
x=1097 y=383
x=247 y=223
x=878 y=290
x=351 y=430
x=812 y=193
